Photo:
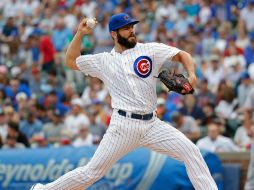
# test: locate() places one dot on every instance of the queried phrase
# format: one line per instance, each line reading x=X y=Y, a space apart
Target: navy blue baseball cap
x=119 y=20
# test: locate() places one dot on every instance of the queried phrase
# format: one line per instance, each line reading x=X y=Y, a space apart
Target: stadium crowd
x=43 y=103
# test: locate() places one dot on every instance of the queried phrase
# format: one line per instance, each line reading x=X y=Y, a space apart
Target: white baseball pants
x=126 y=134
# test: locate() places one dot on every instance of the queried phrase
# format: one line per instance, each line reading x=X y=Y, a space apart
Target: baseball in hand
x=91 y=23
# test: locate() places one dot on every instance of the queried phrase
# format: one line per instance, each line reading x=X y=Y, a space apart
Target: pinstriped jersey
x=129 y=76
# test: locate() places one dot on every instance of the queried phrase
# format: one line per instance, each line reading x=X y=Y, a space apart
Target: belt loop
x=128 y=114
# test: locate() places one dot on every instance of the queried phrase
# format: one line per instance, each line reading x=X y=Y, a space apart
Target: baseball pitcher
x=129 y=71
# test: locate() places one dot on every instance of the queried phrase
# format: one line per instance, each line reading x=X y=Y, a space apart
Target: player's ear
x=113 y=35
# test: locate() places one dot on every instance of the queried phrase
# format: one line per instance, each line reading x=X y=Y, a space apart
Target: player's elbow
x=70 y=62
x=182 y=55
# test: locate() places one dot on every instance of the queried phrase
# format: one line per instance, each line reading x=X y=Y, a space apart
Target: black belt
x=136 y=116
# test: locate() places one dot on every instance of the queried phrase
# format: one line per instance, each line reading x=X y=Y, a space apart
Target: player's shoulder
x=148 y=44
x=156 y=45
x=93 y=56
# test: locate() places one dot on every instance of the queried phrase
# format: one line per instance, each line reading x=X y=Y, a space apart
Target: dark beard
x=125 y=42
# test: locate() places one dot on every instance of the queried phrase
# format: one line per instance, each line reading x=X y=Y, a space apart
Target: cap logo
x=143 y=66
x=126 y=17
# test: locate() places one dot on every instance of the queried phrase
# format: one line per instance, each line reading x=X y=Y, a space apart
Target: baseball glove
x=176 y=82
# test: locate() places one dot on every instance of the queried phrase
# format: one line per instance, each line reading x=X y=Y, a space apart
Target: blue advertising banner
x=141 y=169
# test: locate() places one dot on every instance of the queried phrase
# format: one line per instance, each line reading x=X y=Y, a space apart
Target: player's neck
x=119 y=48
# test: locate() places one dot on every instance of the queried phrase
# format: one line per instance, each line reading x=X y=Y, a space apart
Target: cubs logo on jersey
x=143 y=66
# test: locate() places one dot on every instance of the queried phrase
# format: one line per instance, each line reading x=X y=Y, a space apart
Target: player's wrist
x=79 y=33
x=192 y=75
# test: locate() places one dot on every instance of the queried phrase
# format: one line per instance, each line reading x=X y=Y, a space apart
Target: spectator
x=70 y=19
x=47 y=52
x=214 y=73
x=105 y=6
x=11 y=8
x=31 y=126
x=48 y=19
x=190 y=108
x=249 y=51
x=53 y=130
x=233 y=55
x=3 y=126
x=29 y=7
x=243 y=89
x=102 y=38
x=209 y=112
x=22 y=105
x=107 y=107
x=85 y=138
x=191 y=7
x=205 y=96
x=75 y=118
x=15 y=73
x=88 y=8
x=3 y=75
x=41 y=113
x=94 y=91
x=161 y=109
x=69 y=93
x=233 y=73
x=227 y=104
x=246 y=13
x=214 y=142
x=10 y=113
x=75 y=77
x=182 y=23
x=16 y=87
x=24 y=71
x=11 y=34
x=36 y=81
x=186 y=124
x=241 y=138
x=146 y=34
x=208 y=42
x=96 y=129
x=61 y=35
x=205 y=12
x=221 y=42
x=161 y=34
x=13 y=131
x=52 y=101
x=2 y=96
x=55 y=81
x=232 y=49
x=101 y=115
x=34 y=42
x=11 y=143
x=166 y=9
x=242 y=40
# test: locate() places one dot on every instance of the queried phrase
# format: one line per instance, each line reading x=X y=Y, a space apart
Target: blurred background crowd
x=43 y=103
